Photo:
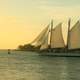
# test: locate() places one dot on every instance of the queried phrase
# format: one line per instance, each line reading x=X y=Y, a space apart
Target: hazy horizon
x=22 y=20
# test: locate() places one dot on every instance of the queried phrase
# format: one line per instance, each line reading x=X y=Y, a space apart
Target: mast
x=51 y=32
x=69 y=24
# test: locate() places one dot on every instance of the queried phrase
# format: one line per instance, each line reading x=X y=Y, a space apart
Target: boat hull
x=60 y=54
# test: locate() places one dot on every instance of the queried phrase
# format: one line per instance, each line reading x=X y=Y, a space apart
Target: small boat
x=9 y=51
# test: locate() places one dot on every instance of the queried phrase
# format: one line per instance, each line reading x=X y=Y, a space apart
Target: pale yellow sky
x=22 y=20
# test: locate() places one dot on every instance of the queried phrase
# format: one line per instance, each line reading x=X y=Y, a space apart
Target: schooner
x=50 y=41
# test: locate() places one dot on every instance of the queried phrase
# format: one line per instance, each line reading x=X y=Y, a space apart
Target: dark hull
x=60 y=52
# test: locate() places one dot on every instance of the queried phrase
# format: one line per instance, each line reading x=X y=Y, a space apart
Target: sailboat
x=50 y=41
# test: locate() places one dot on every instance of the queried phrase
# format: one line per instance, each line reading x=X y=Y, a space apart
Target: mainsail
x=57 y=38
x=74 y=37
x=40 y=38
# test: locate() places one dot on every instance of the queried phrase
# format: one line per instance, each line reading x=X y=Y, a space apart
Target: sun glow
x=22 y=20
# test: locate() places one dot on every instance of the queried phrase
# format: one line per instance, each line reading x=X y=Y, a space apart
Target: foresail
x=45 y=41
x=74 y=37
x=39 y=39
x=57 y=37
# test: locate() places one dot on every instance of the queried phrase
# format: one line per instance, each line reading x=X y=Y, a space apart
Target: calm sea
x=30 y=66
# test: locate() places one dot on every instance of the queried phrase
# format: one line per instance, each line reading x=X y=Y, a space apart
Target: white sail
x=45 y=41
x=57 y=37
x=39 y=39
x=74 y=37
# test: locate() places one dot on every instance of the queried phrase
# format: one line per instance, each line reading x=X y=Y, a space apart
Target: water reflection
x=30 y=66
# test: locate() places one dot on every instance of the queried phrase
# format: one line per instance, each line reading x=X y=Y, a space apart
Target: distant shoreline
x=7 y=49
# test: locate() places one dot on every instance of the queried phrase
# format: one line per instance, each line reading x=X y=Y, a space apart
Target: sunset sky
x=22 y=20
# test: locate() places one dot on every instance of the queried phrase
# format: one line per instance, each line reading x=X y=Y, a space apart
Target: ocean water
x=30 y=66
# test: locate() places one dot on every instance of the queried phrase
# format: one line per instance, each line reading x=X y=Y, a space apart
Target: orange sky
x=22 y=20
